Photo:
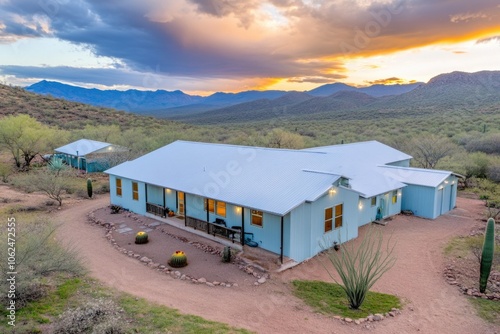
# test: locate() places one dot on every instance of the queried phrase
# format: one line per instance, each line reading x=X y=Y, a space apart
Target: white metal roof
x=372 y=152
x=416 y=176
x=271 y=180
x=82 y=147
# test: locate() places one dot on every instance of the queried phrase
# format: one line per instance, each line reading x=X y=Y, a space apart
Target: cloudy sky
x=203 y=46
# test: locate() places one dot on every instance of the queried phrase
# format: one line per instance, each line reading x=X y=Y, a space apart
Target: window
x=118 y=187
x=210 y=204
x=394 y=197
x=338 y=215
x=221 y=209
x=257 y=218
x=374 y=201
x=328 y=219
x=135 y=191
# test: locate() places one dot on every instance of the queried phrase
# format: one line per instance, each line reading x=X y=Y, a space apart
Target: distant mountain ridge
x=472 y=92
x=158 y=102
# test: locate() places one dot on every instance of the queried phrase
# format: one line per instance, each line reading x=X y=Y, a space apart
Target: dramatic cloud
x=250 y=40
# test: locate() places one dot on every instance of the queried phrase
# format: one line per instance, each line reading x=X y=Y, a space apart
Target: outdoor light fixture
x=333 y=191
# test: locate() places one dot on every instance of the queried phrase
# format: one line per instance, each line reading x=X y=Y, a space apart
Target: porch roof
x=416 y=176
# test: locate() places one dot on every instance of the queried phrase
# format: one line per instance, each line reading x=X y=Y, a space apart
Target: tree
x=51 y=182
x=280 y=138
x=428 y=150
x=25 y=138
x=360 y=267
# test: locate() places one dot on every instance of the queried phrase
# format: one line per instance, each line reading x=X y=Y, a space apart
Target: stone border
x=450 y=274
x=370 y=318
x=176 y=274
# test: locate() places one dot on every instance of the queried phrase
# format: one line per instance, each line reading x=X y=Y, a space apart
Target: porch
x=228 y=236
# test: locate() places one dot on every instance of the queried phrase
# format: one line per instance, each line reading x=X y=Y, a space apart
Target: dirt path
x=270 y=308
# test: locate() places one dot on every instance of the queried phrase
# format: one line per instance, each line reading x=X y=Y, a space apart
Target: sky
x=205 y=46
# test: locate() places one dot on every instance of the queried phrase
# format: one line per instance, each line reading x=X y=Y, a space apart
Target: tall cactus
x=487 y=254
x=89 y=187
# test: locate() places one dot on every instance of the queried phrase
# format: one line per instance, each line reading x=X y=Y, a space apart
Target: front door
x=180 y=202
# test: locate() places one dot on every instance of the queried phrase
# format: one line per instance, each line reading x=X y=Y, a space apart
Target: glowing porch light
x=332 y=191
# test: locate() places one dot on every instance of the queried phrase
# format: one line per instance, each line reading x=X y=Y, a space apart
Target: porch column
x=185 y=210
x=281 y=248
x=164 y=201
x=242 y=236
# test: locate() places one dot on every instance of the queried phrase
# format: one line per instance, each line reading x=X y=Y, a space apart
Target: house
x=89 y=155
x=286 y=201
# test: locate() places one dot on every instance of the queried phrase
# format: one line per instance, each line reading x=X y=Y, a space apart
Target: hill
x=453 y=92
x=66 y=114
x=165 y=104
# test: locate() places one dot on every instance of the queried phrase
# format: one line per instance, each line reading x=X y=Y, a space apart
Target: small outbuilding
x=90 y=156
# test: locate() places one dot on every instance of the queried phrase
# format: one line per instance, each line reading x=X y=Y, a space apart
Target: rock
x=469 y=292
x=202 y=280
x=348 y=320
x=235 y=285
x=210 y=284
x=378 y=317
x=162 y=266
x=138 y=256
x=255 y=283
x=369 y=318
x=177 y=273
x=145 y=259
x=337 y=317
x=392 y=314
x=183 y=277
x=228 y=285
x=216 y=283
x=357 y=322
x=261 y=280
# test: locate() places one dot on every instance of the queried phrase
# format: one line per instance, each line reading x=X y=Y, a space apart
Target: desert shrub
x=489 y=144
x=96 y=316
x=5 y=171
x=38 y=255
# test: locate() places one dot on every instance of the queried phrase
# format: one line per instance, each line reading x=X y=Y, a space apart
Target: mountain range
x=445 y=92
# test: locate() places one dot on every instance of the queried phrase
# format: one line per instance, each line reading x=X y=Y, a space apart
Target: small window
x=394 y=197
x=328 y=219
x=135 y=191
x=210 y=204
x=221 y=209
x=374 y=201
x=118 y=187
x=338 y=215
x=257 y=218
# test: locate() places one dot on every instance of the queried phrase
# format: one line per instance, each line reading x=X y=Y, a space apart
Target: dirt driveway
x=432 y=306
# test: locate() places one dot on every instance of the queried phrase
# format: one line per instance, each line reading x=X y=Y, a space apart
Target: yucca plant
x=487 y=255
x=360 y=267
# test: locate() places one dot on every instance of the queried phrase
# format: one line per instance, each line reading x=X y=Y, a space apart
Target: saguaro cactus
x=89 y=187
x=487 y=254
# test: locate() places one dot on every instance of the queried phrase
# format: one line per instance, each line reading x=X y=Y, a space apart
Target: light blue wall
x=445 y=196
x=269 y=235
x=307 y=224
x=420 y=200
x=125 y=200
x=299 y=233
x=155 y=194
x=367 y=213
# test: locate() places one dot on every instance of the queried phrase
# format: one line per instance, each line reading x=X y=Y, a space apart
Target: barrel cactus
x=141 y=237
x=89 y=187
x=487 y=254
x=226 y=254
x=178 y=259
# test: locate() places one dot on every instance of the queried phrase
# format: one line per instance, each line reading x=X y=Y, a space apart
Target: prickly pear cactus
x=178 y=259
x=141 y=237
